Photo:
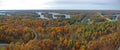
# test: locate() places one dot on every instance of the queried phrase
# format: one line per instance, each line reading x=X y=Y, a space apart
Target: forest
x=59 y=34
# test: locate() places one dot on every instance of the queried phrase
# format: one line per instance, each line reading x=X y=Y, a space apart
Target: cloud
x=85 y=4
x=59 y=4
x=24 y=4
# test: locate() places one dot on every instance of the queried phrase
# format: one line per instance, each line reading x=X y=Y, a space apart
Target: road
x=82 y=19
x=119 y=48
x=4 y=44
x=117 y=15
x=104 y=17
x=35 y=35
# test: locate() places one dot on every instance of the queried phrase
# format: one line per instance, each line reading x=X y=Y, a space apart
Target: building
x=51 y=15
x=3 y=13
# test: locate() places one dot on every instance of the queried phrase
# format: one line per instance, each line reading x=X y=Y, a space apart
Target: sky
x=60 y=4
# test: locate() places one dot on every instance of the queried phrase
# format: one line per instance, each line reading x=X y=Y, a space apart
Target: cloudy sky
x=60 y=4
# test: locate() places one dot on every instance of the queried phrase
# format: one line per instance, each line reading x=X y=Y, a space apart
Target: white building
x=4 y=13
x=52 y=15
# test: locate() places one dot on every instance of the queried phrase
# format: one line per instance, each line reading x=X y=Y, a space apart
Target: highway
x=116 y=18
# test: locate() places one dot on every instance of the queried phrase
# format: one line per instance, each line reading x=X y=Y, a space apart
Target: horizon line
x=59 y=9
